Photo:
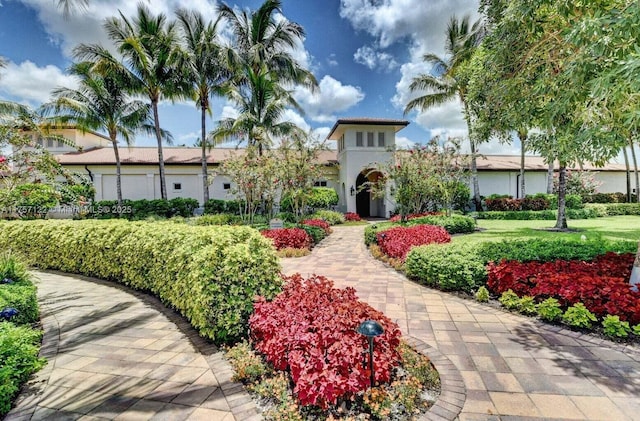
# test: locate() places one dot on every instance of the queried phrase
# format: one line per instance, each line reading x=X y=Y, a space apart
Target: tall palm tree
x=203 y=68
x=101 y=103
x=262 y=64
x=442 y=84
x=148 y=44
x=261 y=108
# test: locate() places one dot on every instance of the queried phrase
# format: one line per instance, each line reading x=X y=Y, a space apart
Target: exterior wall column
x=97 y=184
x=151 y=186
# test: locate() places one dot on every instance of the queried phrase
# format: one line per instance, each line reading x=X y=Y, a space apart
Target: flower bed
x=396 y=242
x=283 y=238
x=320 y=223
x=307 y=358
x=601 y=285
x=396 y=218
x=352 y=217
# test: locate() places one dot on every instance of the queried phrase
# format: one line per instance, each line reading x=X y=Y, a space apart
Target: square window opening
x=226 y=186
x=177 y=186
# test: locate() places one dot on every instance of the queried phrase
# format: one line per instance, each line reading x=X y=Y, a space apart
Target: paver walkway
x=512 y=367
x=118 y=354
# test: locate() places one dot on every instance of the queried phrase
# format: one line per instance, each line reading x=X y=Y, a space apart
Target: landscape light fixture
x=370 y=329
x=353 y=191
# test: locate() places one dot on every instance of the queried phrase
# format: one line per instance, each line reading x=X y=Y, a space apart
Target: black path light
x=370 y=329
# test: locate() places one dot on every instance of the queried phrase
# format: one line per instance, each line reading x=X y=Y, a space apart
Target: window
x=359 y=139
x=49 y=143
x=370 y=139
x=177 y=186
x=320 y=184
x=226 y=186
x=60 y=144
x=39 y=141
x=381 y=140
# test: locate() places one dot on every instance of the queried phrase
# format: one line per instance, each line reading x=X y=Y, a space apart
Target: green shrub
x=578 y=316
x=22 y=298
x=447 y=266
x=322 y=198
x=617 y=209
x=482 y=295
x=509 y=300
x=11 y=268
x=550 y=310
x=454 y=224
x=607 y=198
x=19 y=347
x=332 y=217
x=286 y=217
x=222 y=268
x=317 y=234
x=527 y=305
x=573 y=201
x=614 y=327
x=213 y=206
x=543 y=215
x=142 y=209
x=218 y=219
x=636 y=330
x=34 y=200
x=371 y=231
x=247 y=366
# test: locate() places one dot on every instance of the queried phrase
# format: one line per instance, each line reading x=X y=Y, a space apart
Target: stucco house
x=359 y=142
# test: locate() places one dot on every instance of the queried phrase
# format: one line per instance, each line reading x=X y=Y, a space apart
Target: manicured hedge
x=141 y=209
x=460 y=266
x=614 y=209
x=213 y=206
x=546 y=215
x=209 y=274
x=332 y=217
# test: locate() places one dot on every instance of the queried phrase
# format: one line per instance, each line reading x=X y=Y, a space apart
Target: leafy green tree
x=298 y=168
x=101 y=103
x=205 y=69
x=444 y=83
x=423 y=178
x=149 y=45
x=262 y=65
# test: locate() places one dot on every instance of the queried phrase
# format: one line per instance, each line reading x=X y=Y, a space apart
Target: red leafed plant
x=296 y=238
x=320 y=223
x=601 y=285
x=396 y=218
x=396 y=242
x=310 y=330
x=352 y=216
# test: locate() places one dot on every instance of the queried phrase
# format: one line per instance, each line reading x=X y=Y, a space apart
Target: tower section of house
x=361 y=144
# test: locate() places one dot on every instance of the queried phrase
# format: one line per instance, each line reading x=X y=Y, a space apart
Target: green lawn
x=613 y=228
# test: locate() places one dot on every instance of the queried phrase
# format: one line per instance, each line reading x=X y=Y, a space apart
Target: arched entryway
x=366 y=205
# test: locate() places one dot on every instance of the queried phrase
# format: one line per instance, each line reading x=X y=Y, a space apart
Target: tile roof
x=399 y=124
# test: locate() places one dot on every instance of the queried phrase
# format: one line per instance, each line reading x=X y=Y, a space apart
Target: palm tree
x=101 y=103
x=262 y=66
x=443 y=85
x=148 y=44
x=202 y=66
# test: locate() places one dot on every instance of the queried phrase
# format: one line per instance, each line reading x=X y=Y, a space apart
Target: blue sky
x=364 y=54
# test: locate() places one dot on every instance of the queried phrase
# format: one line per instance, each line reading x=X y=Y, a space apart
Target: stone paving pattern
x=512 y=367
x=118 y=354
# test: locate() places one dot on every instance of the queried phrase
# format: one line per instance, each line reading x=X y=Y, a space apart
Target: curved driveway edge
x=115 y=353
x=513 y=367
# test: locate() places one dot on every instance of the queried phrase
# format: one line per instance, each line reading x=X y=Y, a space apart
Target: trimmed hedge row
x=141 y=209
x=209 y=274
x=454 y=224
x=614 y=209
x=546 y=215
x=462 y=266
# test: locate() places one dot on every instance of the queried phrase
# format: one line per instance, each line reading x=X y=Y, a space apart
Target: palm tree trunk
x=561 y=222
x=205 y=176
x=550 y=178
x=156 y=122
x=116 y=152
x=628 y=172
x=474 y=177
x=523 y=139
x=635 y=169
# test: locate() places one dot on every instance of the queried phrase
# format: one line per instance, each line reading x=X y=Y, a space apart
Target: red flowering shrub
x=296 y=238
x=601 y=285
x=320 y=223
x=396 y=242
x=310 y=330
x=352 y=216
x=396 y=218
x=503 y=204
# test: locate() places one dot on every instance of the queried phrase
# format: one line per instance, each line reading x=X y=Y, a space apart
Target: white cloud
x=331 y=60
x=293 y=117
x=404 y=142
x=229 y=111
x=375 y=59
x=330 y=98
x=28 y=82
